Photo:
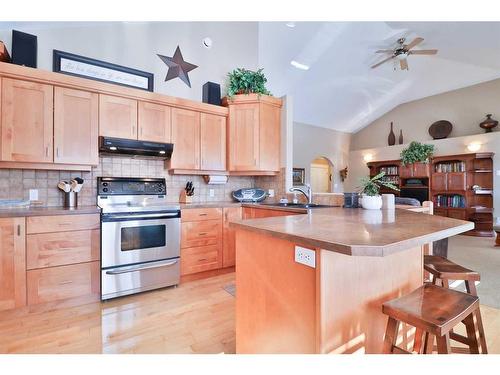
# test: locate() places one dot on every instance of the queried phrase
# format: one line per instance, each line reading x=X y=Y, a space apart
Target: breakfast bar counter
x=358 y=259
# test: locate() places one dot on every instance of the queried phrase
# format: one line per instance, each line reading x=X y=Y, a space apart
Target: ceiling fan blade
x=383 y=61
x=415 y=42
x=423 y=52
x=403 y=64
x=384 y=51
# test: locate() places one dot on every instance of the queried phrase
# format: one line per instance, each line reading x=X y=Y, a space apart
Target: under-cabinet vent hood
x=119 y=146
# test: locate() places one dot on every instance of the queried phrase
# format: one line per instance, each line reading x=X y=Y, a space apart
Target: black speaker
x=211 y=93
x=24 y=49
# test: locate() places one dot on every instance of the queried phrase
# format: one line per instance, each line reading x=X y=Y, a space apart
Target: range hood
x=119 y=146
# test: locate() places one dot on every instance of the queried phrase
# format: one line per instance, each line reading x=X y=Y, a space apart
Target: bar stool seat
x=445 y=269
x=434 y=311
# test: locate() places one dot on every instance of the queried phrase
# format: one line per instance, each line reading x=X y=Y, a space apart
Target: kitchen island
x=359 y=259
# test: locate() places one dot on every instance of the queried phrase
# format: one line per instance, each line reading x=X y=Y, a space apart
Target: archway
x=321 y=175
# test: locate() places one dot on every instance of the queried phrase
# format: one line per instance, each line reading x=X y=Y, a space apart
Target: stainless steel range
x=140 y=236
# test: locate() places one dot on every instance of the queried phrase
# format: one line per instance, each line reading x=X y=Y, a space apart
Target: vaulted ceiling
x=340 y=91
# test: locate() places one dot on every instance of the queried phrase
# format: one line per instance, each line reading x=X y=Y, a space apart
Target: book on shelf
x=389 y=170
x=447 y=167
x=449 y=201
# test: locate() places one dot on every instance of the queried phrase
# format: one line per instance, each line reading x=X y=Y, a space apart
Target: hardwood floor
x=196 y=317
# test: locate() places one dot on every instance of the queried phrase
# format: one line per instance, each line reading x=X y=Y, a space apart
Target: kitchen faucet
x=307 y=194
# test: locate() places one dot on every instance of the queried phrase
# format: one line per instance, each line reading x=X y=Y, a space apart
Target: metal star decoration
x=177 y=67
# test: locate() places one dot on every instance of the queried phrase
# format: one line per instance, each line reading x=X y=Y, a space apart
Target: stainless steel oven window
x=143 y=237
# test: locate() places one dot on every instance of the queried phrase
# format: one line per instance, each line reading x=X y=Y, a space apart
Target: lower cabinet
x=229 y=242
x=12 y=263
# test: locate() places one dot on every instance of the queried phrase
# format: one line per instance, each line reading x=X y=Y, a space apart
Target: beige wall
x=464 y=108
x=311 y=142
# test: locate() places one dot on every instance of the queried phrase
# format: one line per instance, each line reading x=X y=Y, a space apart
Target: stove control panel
x=130 y=186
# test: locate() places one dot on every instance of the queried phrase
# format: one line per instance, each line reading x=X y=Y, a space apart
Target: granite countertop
x=47 y=211
x=358 y=232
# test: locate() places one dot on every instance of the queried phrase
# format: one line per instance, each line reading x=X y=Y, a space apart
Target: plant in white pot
x=370 y=190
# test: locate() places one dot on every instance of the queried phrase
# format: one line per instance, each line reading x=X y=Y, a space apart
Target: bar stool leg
x=443 y=344
x=419 y=341
x=429 y=343
x=391 y=335
x=471 y=289
x=471 y=334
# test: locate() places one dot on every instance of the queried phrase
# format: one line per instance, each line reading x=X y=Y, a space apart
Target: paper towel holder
x=215 y=179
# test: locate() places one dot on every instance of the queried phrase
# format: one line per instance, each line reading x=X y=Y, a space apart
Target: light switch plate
x=33 y=194
x=211 y=192
x=271 y=193
x=305 y=256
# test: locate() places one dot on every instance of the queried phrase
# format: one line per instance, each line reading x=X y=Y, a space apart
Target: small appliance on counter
x=249 y=195
x=71 y=190
x=351 y=200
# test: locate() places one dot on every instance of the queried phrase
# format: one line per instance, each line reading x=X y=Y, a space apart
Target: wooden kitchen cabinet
x=12 y=263
x=186 y=139
x=155 y=122
x=457 y=181
x=254 y=139
x=76 y=126
x=439 y=182
x=229 y=241
x=117 y=117
x=415 y=170
x=213 y=142
x=27 y=121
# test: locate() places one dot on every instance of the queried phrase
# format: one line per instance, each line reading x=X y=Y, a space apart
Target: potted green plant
x=416 y=152
x=243 y=81
x=370 y=190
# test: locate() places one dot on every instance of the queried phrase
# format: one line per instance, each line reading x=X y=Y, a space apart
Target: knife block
x=184 y=198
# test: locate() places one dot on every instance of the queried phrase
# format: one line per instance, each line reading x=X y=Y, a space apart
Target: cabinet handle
x=19 y=230
x=204 y=214
x=202 y=259
x=47 y=151
x=202 y=234
x=66 y=282
x=57 y=151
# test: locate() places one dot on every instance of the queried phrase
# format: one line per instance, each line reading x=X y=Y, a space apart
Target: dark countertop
x=48 y=211
x=358 y=232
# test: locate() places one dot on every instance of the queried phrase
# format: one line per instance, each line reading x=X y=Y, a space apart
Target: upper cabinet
x=117 y=117
x=76 y=116
x=186 y=139
x=27 y=121
x=154 y=121
x=254 y=134
x=213 y=142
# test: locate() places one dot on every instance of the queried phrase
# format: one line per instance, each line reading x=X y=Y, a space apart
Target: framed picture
x=80 y=66
x=298 y=176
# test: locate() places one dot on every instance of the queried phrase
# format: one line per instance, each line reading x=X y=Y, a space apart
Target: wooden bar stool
x=444 y=270
x=435 y=311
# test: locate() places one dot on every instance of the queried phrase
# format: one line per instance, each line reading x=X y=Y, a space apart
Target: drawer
x=61 y=223
x=457 y=214
x=62 y=248
x=201 y=233
x=200 y=214
x=58 y=283
x=199 y=259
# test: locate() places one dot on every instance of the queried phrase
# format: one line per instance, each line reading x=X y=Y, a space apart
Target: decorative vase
x=489 y=124
x=400 y=136
x=392 y=137
x=371 y=202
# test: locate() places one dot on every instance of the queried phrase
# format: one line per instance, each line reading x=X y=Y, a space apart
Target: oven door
x=133 y=238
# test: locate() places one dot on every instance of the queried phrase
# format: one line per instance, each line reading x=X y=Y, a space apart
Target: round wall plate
x=440 y=129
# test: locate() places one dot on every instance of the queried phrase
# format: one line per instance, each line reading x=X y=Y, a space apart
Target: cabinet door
x=117 y=117
x=421 y=170
x=228 y=242
x=186 y=139
x=457 y=181
x=27 y=121
x=76 y=116
x=213 y=142
x=12 y=263
x=441 y=212
x=406 y=171
x=244 y=137
x=457 y=214
x=154 y=122
x=439 y=182
x=269 y=138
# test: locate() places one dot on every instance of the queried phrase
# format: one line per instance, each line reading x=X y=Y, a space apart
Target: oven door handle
x=144 y=216
x=143 y=267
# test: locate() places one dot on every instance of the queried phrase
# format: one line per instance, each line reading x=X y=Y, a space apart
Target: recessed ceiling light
x=291 y=24
x=299 y=65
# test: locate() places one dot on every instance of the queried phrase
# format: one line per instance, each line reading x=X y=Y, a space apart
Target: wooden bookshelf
x=391 y=169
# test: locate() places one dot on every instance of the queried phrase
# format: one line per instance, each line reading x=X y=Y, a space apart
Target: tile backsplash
x=16 y=183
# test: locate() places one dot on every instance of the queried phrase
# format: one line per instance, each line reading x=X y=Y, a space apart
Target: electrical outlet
x=33 y=194
x=211 y=192
x=305 y=256
x=271 y=193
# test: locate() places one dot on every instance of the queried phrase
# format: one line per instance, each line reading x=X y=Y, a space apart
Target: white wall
x=135 y=45
x=310 y=142
x=450 y=146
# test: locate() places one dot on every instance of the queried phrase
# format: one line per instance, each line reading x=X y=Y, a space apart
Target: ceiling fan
x=402 y=51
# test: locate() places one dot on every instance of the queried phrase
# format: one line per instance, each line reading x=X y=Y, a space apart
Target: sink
x=296 y=205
